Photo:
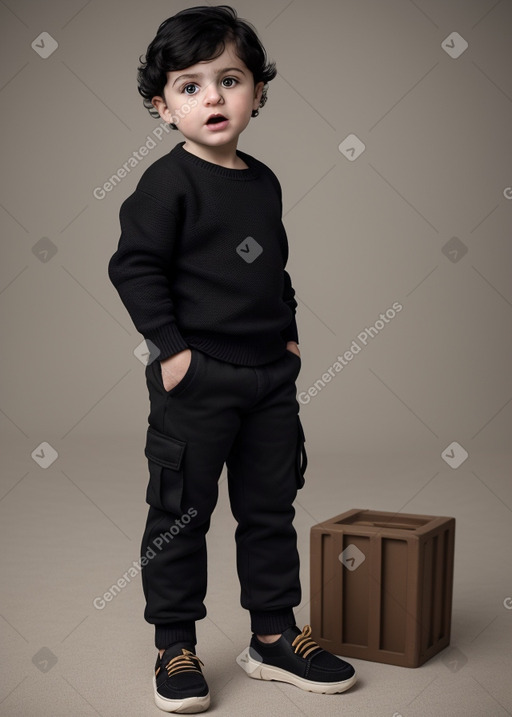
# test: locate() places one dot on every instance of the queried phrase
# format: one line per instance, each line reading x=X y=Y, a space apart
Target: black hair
x=194 y=35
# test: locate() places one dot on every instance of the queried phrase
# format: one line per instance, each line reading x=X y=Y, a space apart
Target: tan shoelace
x=186 y=662
x=304 y=644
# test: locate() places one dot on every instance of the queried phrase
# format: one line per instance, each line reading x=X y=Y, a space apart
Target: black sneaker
x=299 y=660
x=179 y=683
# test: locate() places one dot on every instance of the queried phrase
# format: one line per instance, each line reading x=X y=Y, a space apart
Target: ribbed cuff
x=184 y=631
x=168 y=340
x=271 y=622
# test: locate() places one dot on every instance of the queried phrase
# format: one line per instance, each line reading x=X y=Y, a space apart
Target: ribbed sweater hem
x=168 y=341
x=245 y=351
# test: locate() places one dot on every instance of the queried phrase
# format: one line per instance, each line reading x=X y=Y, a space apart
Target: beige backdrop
x=388 y=126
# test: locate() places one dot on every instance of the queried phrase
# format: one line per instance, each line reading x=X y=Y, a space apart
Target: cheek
x=247 y=101
x=186 y=108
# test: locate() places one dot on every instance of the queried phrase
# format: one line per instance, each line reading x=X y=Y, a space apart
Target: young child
x=200 y=267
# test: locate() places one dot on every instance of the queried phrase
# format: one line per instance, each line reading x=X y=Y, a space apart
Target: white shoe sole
x=188 y=705
x=260 y=671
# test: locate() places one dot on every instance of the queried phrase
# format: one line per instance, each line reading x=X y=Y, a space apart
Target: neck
x=225 y=156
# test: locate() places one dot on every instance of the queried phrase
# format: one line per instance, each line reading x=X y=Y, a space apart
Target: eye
x=190 y=84
x=230 y=79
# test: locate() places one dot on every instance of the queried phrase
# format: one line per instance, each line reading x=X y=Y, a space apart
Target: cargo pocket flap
x=164 y=450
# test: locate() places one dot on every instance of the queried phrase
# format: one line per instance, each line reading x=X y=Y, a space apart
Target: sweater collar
x=238 y=174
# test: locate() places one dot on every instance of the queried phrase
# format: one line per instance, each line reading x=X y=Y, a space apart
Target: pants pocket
x=302 y=457
x=165 y=458
x=185 y=380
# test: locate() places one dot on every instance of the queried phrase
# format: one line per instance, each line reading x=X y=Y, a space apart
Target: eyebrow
x=196 y=75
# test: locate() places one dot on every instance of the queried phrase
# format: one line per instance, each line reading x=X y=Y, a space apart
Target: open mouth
x=216 y=119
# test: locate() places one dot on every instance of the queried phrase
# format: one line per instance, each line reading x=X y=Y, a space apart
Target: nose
x=212 y=95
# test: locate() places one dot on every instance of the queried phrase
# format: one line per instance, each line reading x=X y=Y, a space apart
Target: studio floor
x=70 y=531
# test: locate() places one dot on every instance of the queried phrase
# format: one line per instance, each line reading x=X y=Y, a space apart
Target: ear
x=160 y=105
x=258 y=91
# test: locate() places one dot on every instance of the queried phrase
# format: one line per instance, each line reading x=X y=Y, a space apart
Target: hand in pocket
x=293 y=348
x=174 y=368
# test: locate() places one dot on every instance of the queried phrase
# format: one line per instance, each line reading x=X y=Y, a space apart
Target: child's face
x=222 y=86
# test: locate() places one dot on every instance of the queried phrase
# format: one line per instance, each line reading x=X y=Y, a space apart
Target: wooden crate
x=381 y=585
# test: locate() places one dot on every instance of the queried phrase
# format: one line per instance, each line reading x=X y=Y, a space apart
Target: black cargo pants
x=247 y=418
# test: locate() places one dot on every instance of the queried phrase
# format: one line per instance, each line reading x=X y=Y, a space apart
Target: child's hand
x=174 y=368
x=292 y=346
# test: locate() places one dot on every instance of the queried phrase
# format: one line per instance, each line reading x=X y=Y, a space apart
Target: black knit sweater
x=201 y=259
